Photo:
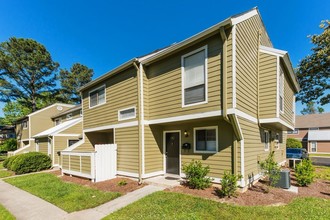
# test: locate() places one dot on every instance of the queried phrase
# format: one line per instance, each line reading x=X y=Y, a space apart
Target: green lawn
x=67 y=196
x=5 y=215
x=322 y=172
x=1 y=166
x=4 y=173
x=168 y=205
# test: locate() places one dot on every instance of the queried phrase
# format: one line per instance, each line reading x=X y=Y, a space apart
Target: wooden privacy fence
x=98 y=166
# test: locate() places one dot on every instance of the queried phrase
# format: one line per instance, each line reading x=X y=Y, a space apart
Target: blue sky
x=104 y=34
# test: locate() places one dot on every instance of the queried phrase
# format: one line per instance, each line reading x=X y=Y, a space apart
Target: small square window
x=126 y=114
x=206 y=140
x=72 y=142
x=266 y=140
x=97 y=96
x=57 y=121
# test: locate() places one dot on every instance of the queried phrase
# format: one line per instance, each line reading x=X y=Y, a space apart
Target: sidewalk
x=26 y=206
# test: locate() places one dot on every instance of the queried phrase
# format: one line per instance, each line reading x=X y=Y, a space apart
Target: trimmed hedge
x=29 y=162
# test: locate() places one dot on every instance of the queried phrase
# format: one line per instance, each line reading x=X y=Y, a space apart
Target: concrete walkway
x=26 y=206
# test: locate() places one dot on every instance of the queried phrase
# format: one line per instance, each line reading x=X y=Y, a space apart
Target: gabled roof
x=322 y=135
x=233 y=20
x=313 y=120
x=58 y=128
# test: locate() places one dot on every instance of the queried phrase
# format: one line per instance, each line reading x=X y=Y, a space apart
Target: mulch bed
x=108 y=185
x=261 y=194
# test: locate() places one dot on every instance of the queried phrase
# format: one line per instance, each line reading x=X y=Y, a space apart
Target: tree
x=311 y=109
x=27 y=72
x=13 y=111
x=293 y=143
x=72 y=80
x=313 y=71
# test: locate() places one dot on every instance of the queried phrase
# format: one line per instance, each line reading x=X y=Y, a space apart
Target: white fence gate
x=105 y=162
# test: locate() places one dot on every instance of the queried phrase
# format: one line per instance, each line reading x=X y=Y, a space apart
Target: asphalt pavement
x=321 y=161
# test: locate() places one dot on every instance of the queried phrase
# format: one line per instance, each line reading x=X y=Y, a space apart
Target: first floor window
x=313 y=146
x=97 y=97
x=206 y=139
x=72 y=142
x=266 y=140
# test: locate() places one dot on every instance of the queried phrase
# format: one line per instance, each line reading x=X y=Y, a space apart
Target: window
x=68 y=116
x=313 y=146
x=277 y=141
x=295 y=131
x=72 y=142
x=97 y=96
x=81 y=112
x=57 y=121
x=25 y=124
x=281 y=90
x=127 y=113
x=194 y=77
x=206 y=140
x=266 y=140
x=313 y=129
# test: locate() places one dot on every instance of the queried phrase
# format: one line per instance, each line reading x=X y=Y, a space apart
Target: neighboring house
x=6 y=132
x=313 y=131
x=66 y=130
x=35 y=123
x=224 y=96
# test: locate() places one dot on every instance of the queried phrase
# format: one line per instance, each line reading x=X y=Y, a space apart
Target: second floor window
x=194 y=77
x=97 y=97
x=281 y=90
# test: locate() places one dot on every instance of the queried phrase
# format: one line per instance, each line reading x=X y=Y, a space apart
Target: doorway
x=172 y=152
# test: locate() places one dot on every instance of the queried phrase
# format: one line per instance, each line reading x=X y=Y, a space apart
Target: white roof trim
x=57 y=129
x=244 y=17
x=272 y=51
x=60 y=104
x=320 y=135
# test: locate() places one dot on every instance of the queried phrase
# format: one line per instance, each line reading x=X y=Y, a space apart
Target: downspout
x=224 y=93
x=140 y=123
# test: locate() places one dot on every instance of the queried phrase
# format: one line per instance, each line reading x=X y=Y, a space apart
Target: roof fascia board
x=272 y=51
x=108 y=74
x=58 y=131
x=244 y=17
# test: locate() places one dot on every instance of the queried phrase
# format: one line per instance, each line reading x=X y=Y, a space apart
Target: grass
x=319 y=155
x=322 y=172
x=4 y=173
x=168 y=205
x=67 y=196
x=5 y=215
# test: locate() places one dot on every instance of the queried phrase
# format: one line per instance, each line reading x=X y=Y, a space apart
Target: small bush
x=271 y=169
x=304 y=172
x=31 y=162
x=9 y=145
x=122 y=183
x=8 y=162
x=293 y=143
x=228 y=184
x=196 y=175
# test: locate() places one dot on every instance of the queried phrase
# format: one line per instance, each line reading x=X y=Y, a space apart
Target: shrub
x=122 y=183
x=228 y=184
x=8 y=162
x=271 y=169
x=9 y=145
x=196 y=175
x=293 y=143
x=31 y=162
x=304 y=172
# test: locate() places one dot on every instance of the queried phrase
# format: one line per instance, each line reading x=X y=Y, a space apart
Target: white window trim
x=123 y=119
x=277 y=141
x=216 y=139
x=69 y=116
x=267 y=144
x=67 y=144
x=315 y=146
x=105 y=96
x=282 y=76
x=206 y=76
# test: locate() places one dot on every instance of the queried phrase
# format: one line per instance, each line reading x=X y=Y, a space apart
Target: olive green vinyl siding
x=287 y=116
x=268 y=88
x=60 y=143
x=229 y=68
x=22 y=133
x=75 y=129
x=280 y=152
x=153 y=146
x=246 y=63
x=92 y=138
x=42 y=121
x=165 y=98
x=72 y=163
x=43 y=145
x=146 y=96
x=121 y=93
x=127 y=149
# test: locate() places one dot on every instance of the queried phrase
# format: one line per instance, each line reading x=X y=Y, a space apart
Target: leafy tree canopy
x=311 y=109
x=27 y=72
x=313 y=71
x=72 y=80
